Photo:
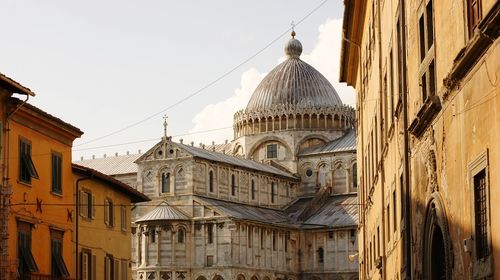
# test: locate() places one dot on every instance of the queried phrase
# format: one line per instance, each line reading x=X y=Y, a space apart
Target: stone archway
x=218 y=277
x=240 y=277
x=437 y=254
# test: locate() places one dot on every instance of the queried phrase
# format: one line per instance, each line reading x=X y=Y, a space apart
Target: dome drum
x=283 y=118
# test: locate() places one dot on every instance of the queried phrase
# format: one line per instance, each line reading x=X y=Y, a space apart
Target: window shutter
x=116 y=269
x=106 y=212
x=82 y=202
x=93 y=206
x=93 y=268
x=85 y=266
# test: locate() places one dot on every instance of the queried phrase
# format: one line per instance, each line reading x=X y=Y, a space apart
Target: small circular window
x=171 y=151
x=160 y=152
x=309 y=172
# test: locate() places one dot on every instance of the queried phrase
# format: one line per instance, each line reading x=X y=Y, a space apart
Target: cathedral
x=277 y=202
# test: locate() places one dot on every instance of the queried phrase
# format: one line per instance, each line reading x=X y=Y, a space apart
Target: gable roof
x=112 y=165
x=339 y=211
x=346 y=143
x=135 y=195
x=163 y=212
x=223 y=158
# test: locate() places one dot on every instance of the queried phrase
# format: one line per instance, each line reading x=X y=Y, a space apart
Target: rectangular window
x=108 y=213
x=250 y=236
x=56 y=173
x=388 y=211
x=210 y=233
x=274 y=240
x=27 y=168
x=481 y=229
x=426 y=69
x=87 y=204
x=109 y=267
x=287 y=239
x=481 y=215
x=58 y=266
x=394 y=216
x=25 y=260
x=123 y=212
x=253 y=190
x=262 y=238
x=273 y=192
x=391 y=86
x=474 y=15
x=86 y=265
x=272 y=151
x=210 y=261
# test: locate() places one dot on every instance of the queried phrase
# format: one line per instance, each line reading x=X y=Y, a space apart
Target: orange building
x=37 y=190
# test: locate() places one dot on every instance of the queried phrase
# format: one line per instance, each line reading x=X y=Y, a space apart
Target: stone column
x=158 y=246
x=145 y=247
x=139 y=247
x=173 y=245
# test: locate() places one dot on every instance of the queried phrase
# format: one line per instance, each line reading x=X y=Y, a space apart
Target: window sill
x=27 y=184
x=57 y=194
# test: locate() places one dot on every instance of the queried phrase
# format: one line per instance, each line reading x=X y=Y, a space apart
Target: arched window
x=252 y=191
x=321 y=255
x=180 y=235
x=211 y=181
x=273 y=192
x=233 y=185
x=355 y=175
x=210 y=233
x=165 y=182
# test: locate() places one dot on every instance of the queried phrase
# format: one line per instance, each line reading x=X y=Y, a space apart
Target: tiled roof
x=163 y=212
x=135 y=195
x=246 y=163
x=247 y=212
x=14 y=86
x=345 y=143
x=112 y=165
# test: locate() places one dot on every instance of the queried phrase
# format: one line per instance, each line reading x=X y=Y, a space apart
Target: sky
x=116 y=67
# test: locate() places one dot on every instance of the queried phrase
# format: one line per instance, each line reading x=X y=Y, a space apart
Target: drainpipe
x=77 y=212
x=5 y=193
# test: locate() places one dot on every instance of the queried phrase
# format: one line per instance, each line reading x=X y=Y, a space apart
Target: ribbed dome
x=293 y=82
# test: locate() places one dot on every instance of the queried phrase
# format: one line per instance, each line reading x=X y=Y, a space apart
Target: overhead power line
x=209 y=84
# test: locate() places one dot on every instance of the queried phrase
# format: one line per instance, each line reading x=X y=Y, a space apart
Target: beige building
x=426 y=79
x=277 y=202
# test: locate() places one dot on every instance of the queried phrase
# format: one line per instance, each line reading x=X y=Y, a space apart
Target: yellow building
x=103 y=231
x=37 y=191
x=426 y=74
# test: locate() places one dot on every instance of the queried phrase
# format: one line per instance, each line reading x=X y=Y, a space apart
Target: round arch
x=309 y=137
x=218 y=277
x=267 y=139
x=201 y=277
x=437 y=252
x=240 y=277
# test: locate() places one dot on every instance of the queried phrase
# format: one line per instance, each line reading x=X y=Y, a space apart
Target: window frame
x=87 y=208
x=58 y=266
x=109 y=219
x=27 y=169
x=272 y=154
x=482 y=267
x=56 y=176
x=472 y=22
x=210 y=181
x=165 y=183
x=123 y=218
x=25 y=256
x=426 y=50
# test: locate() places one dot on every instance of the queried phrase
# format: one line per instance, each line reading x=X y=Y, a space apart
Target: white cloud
x=324 y=57
x=220 y=114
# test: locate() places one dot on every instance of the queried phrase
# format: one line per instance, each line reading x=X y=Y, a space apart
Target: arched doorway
x=437 y=248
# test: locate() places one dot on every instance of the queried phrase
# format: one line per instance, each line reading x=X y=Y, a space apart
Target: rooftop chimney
x=116 y=154
x=139 y=151
x=128 y=153
x=104 y=156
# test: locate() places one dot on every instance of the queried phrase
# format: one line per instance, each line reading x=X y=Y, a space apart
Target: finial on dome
x=293 y=48
x=293 y=29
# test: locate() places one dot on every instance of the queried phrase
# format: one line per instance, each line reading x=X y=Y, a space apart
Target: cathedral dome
x=293 y=83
